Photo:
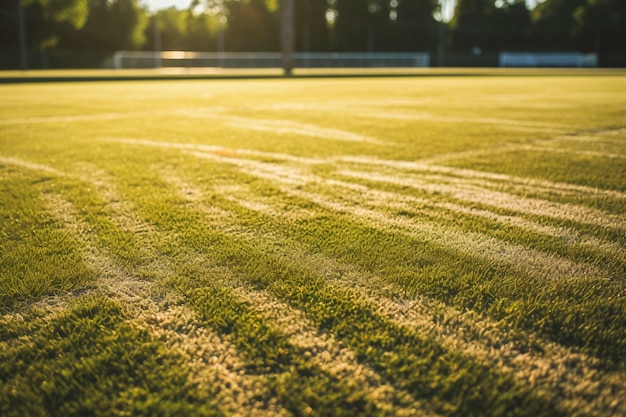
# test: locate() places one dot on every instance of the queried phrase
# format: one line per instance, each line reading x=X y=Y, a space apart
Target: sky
x=154 y=5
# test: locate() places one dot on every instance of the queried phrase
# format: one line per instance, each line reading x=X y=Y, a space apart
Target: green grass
x=38 y=256
x=435 y=245
x=89 y=360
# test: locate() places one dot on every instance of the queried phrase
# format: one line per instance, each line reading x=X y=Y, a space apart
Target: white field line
x=105 y=116
x=263 y=207
x=460 y=174
x=503 y=123
x=361 y=109
x=474 y=244
x=542 y=185
x=286 y=127
x=218 y=150
x=283 y=127
x=478 y=183
x=595 y=154
x=80 y=117
x=29 y=165
x=502 y=200
x=384 y=199
x=239 y=194
x=577 y=382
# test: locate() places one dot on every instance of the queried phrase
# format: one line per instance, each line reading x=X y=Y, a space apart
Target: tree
x=253 y=25
x=112 y=25
x=409 y=26
x=600 y=26
x=47 y=19
x=514 y=26
x=491 y=25
x=473 y=25
x=312 y=32
x=172 y=28
x=553 y=24
x=202 y=32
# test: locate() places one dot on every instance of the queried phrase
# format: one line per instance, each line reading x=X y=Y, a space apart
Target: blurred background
x=86 y=33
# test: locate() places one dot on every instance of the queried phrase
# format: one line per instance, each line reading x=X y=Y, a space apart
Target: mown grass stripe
x=463 y=331
x=481 y=297
x=505 y=201
x=560 y=339
x=213 y=363
x=29 y=165
x=280 y=127
x=319 y=349
x=465 y=173
x=533 y=261
x=460 y=182
x=519 y=300
x=136 y=294
x=613 y=252
x=90 y=360
x=37 y=257
x=266 y=400
x=272 y=354
x=336 y=311
x=379 y=111
x=554 y=245
x=521 y=187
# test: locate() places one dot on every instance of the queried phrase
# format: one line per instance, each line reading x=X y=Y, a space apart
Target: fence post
x=117 y=60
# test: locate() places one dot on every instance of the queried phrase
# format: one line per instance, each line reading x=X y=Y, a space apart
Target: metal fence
x=547 y=59
x=151 y=59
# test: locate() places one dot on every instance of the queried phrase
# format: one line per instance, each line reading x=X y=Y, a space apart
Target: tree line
x=100 y=27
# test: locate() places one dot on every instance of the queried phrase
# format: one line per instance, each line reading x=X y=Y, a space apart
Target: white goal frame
x=548 y=59
x=186 y=59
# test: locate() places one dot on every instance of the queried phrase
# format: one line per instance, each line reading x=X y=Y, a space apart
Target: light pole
x=21 y=31
x=446 y=11
x=220 y=42
x=441 y=43
x=287 y=12
x=158 y=56
x=22 y=35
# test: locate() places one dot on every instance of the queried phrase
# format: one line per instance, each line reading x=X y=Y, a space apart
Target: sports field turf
x=416 y=246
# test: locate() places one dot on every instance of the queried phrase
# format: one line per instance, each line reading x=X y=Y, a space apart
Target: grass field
x=416 y=246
